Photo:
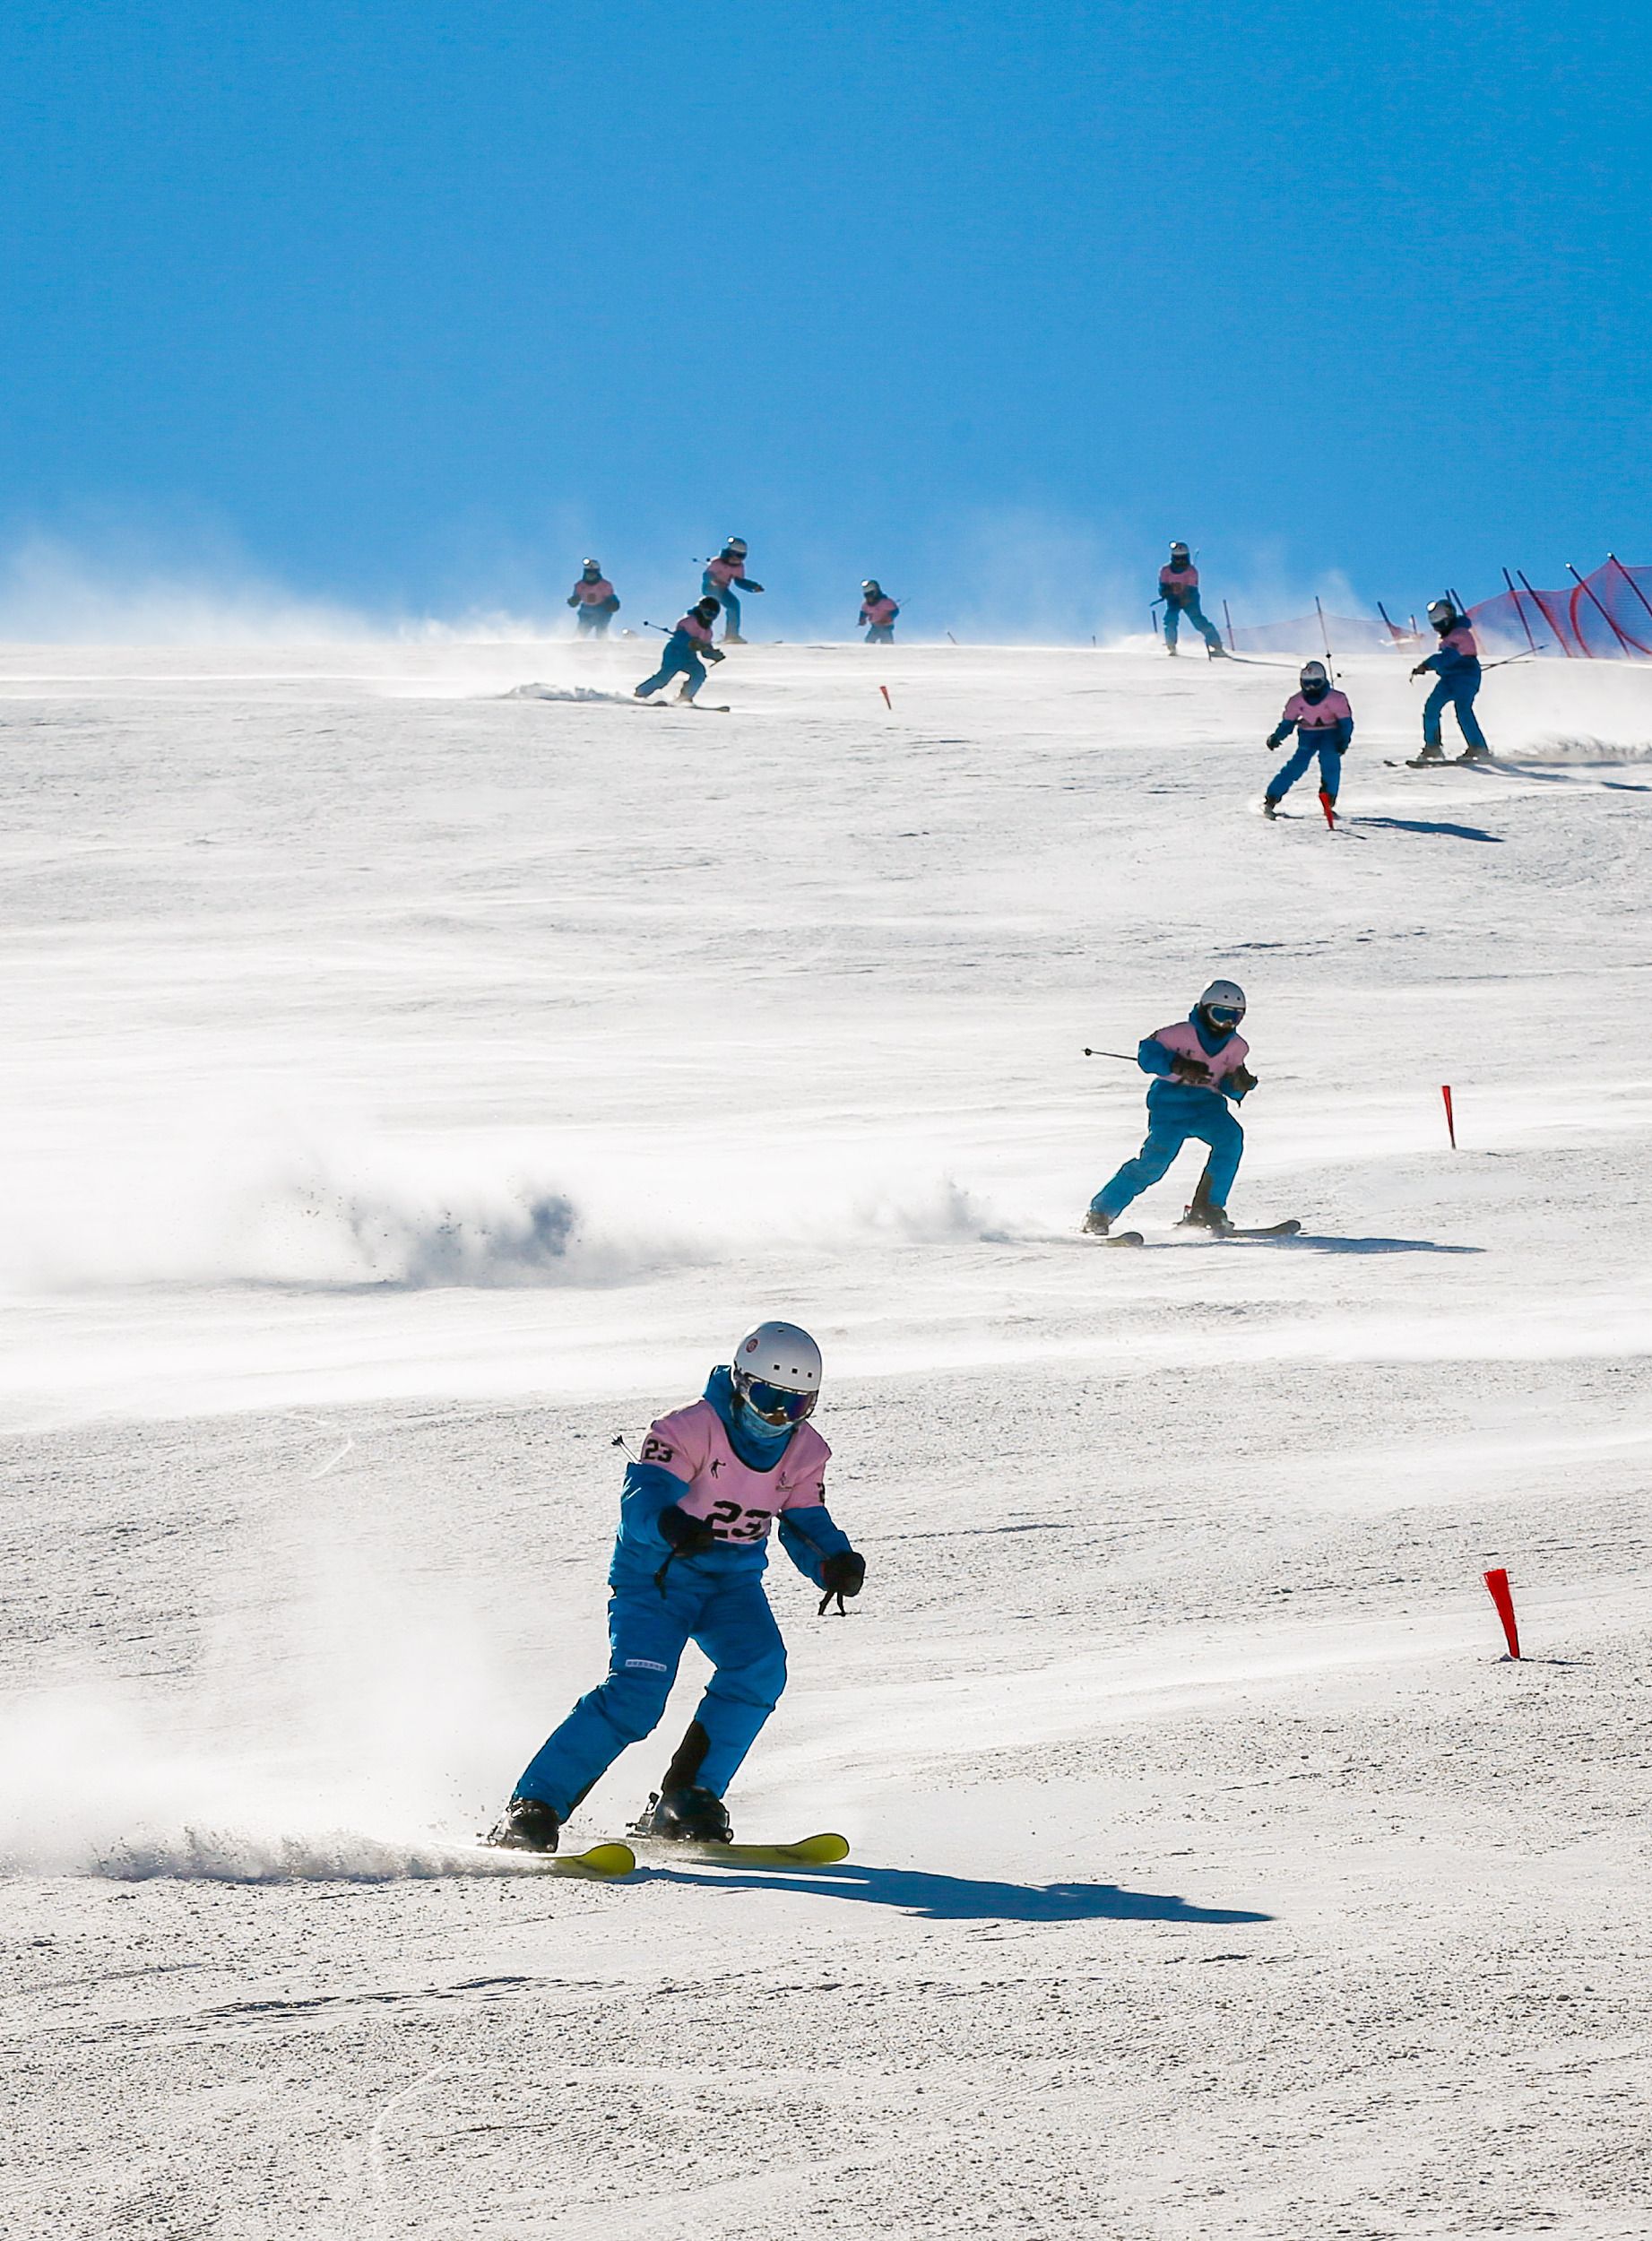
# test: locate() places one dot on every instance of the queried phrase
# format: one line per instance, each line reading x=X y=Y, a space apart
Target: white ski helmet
x=776 y=1372
x=1224 y=997
x=1441 y=613
x=1314 y=673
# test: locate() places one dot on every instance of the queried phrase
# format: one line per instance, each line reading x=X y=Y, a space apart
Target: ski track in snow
x=418 y=1075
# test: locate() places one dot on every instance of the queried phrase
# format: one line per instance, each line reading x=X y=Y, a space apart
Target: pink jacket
x=1182 y=1038
x=1318 y=715
x=594 y=594
x=691 y=626
x=1177 y=582
x=723 y=572
x=692 y=1444
x=878 y=610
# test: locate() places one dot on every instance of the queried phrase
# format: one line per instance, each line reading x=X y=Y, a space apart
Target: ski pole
x=660 y=626
x=1127 y=1056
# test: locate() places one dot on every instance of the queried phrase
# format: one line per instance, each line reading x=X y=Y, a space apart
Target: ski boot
x=1431 y=755
x=1216 y=653
x=1170 y=650
x=528 y=1825
x=1474 y=755
x=686 y=1816
x=1095 y=1224
x=733 y=638
x=1202 y=1215
x=1270 y=804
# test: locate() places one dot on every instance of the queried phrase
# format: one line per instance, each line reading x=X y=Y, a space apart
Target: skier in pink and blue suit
x=1455 y=664
x=1323 y=721
x=1197 y=1064
x=1178 y=589
x=877 y=613
x=695 y=1518
x=687 y=651
x=723 y=576
x=595 y=599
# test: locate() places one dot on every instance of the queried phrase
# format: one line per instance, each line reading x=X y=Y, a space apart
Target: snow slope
x=416 y=1084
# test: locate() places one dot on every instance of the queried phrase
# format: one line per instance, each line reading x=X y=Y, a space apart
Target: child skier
x=686 y=651
x=1457 y=679
x=593 y=596
x=1178 y=589
x=877 y=612
x=1198 y=1063
x=1321 y=715
x=723 y=576
x=687 y=1566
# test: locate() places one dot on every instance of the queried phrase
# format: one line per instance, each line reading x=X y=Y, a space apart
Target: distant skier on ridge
x=1197 y=1064
x=595 y=599
x=1323 y=721
x=687 y=1566
x=723 y=576
x=1457 y=671
x=1178 y=589
x=877 y=613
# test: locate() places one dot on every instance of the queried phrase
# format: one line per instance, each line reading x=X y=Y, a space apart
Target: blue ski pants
x=1167 y=1132
x=880 y=634
x=729 y=1619
x=725 y=598
x=591 y=622
x=1195 y=615
x=679 y=661
x=1456 y=692
x=1308 y=745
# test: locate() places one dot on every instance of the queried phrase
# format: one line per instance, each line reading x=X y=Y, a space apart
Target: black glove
x=574 y=602
x=1273 y=740
x=1193 y=1070
x=1420 y=669
x=687 y=1536
x=751 y=587
x=1243 y=1081
x=712 y=654
x=841 y=1575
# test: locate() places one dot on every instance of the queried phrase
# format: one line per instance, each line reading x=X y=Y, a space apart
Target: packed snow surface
x=416 y=1084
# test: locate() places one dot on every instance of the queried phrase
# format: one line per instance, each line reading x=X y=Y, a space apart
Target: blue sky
x=410 y=306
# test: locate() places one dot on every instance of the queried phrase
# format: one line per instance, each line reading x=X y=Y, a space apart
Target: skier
x=687 y=650
x=593 y=596
x=723 y=578
x=687 y=1566
x=1198 y=1063
x=1456 y=669
x=1178 y=589
x=1322 y=717
x=877 y=612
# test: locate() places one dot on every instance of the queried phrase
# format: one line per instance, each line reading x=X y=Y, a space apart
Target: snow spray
x=1445 y=1091
x=1497 y=1587
x=888 y=703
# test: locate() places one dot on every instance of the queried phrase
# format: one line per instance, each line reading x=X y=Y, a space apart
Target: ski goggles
x=774 y=1403
x=1223 y=1015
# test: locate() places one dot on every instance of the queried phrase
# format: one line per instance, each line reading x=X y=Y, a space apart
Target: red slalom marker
x=1445 y=1092
x=1497 y=1585
x=888 y=703
x=1330 y=807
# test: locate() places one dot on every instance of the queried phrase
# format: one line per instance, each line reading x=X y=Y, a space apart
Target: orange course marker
x=1445 y=1092
x=888 y=703
x=1497 y=1586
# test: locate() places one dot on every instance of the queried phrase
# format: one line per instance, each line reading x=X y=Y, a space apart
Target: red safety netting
x=1605 y=617
x=1307 y=634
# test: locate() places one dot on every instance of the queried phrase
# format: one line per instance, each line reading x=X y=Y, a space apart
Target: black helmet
x=1442 y=614
x=708 y=608
x=1179 y=548
x=591 y=567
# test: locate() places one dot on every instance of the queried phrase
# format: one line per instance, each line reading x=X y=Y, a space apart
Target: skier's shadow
x=1427 y=824
x=931 y=1898
x=1305 y=1244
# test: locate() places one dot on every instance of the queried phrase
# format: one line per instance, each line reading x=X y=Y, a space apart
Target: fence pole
x=1558 y=628
x=1629 y=579
x=1520 y=611
x=1583 y=586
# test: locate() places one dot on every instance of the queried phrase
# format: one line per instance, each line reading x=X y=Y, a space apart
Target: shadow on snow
x=933 y=1897
x=1368 y=1245
x=1427 y=824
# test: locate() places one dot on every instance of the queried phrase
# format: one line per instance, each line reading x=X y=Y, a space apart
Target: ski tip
x=603 y=1859
x=821 y=1850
